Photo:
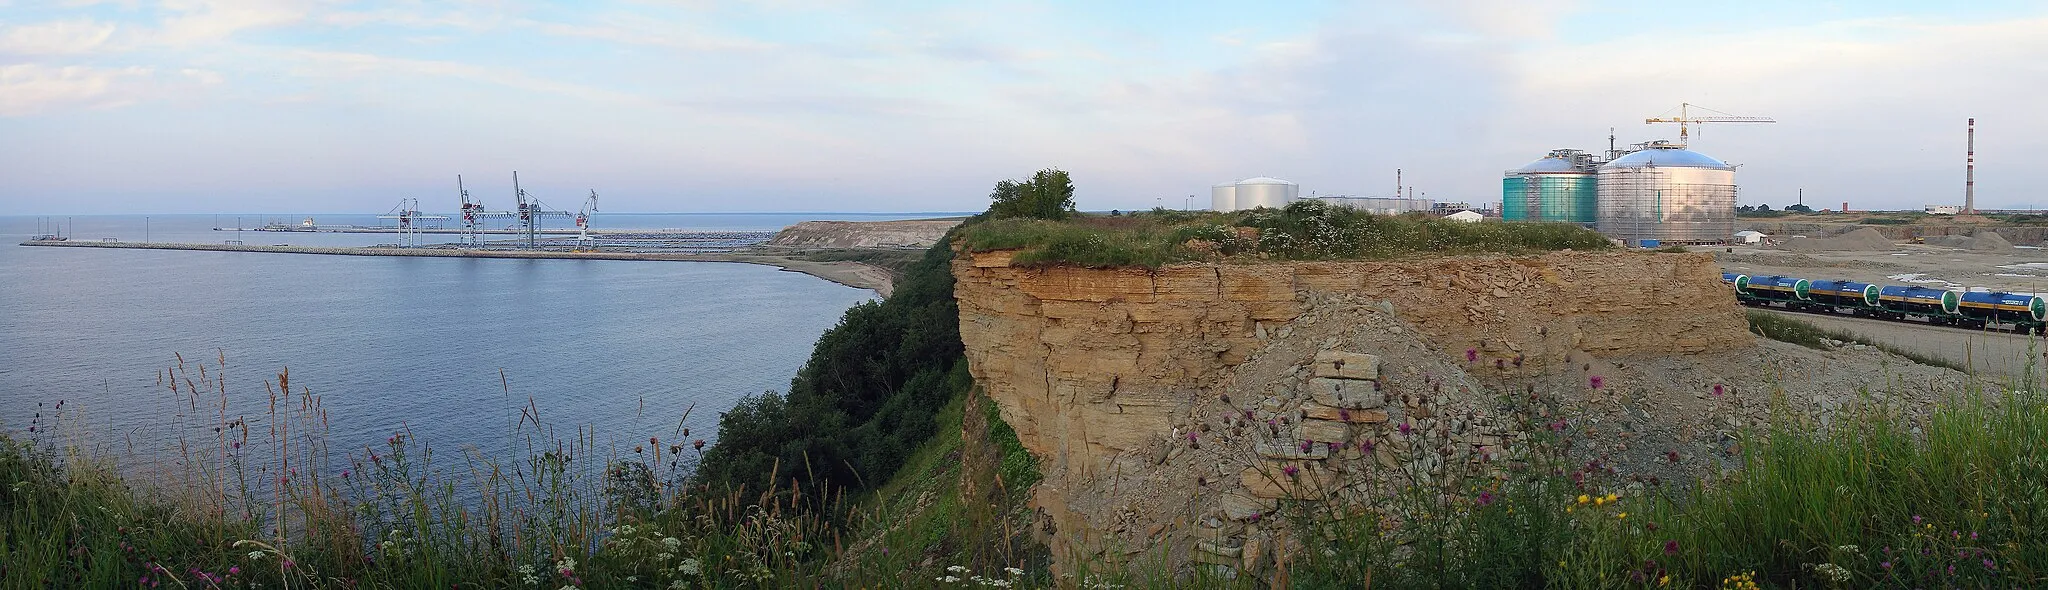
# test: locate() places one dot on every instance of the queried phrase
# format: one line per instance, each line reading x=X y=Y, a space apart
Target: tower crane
x=1685 y=117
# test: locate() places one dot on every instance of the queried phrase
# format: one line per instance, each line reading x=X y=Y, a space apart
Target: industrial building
x=1659 y=192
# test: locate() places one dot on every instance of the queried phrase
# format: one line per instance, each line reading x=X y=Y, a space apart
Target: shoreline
x=848 y=273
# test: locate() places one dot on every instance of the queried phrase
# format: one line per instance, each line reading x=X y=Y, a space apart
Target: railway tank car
x=1795 y=291
x=1860 y=298
x=2025 y=312
x=1939 y=305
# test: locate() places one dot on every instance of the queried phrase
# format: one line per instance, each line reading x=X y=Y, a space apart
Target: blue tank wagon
x=2025 y=312
x=1792 y=291
x=1859 y=298
x=1937 y=305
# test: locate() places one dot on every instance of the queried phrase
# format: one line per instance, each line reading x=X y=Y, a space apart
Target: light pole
x=145 y=229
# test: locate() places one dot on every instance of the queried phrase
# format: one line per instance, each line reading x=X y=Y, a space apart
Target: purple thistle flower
x=1471 y=355
x=1334 y=446
x=1886 y=565
x=1671 y=547
x=1405 y=428
x=1596 y=381
x=1191 y=437
x=1290 y=470
x=1557 y=426
x=1989 y=564
x=1343 y=414
x=344 y=474
x=1306 y=444
x=1916 y=519
x=1485 y=498
x=1365 y=445
x=1500 y=363
x=1718 y=389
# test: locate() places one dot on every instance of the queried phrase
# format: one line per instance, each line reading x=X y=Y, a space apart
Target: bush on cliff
x=1303 y=230
x=861 y=404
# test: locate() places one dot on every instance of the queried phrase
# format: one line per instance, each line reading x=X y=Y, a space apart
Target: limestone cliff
x=1163 y=403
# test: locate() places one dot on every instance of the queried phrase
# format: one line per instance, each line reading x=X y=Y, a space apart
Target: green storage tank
x=1561 y=187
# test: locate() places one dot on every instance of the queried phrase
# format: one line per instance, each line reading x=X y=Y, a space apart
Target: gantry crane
x=407 y=212
x=1685 y=117
x=474 y=216
x=531 y=210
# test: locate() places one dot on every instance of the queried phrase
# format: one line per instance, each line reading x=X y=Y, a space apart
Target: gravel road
x=1991 y=354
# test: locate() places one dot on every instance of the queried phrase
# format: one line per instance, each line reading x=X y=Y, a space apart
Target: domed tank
x=1223 y=197
x=1666 y=193
x=1261 y=191
x=1560 y=187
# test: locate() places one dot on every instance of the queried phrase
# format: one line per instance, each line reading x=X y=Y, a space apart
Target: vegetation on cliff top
x=1303 y=230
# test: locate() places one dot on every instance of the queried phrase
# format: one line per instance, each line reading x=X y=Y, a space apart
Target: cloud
x=64 y=37
x=208 y=21
x=27 y=89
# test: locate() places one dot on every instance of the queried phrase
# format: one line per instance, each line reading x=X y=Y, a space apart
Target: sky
x=279 y=106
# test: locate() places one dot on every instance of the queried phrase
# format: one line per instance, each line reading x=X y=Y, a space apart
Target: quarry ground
x=1994 y=355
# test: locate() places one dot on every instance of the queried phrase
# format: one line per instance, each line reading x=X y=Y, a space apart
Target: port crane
x=531 y=211
x=583 y=241
x=474 y=216
x=1685 y=117
x=407 y=212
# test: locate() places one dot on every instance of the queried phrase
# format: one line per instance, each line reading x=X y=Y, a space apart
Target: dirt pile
x=864 y=234
x=1858 y=240
x=1989 y=241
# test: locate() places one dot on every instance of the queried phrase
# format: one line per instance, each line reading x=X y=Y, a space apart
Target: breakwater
x=852 y=274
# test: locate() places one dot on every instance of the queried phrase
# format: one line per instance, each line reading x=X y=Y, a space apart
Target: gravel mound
x=1860 y=240
x=1989 y=241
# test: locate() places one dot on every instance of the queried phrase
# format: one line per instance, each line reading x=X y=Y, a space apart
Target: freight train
x=2026 y=314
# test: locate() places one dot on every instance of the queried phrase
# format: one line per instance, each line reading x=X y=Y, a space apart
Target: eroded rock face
x=1132 y=385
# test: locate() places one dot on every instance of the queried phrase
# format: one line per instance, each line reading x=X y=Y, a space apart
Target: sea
x=453 y=352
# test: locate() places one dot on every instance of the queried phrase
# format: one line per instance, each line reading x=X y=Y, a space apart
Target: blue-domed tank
x=1919 y=300
x=1845 y=293
x=1667 y=193
x=1780 y=288
x=1559 y=187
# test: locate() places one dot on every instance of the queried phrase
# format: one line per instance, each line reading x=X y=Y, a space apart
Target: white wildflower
x=665 y=556
x=672 y=542
x=255 y=556
x=1013 y=571
x=949 y=579
x=526 y=568
x=690 y=567
x=956 y=568
x=1833 y=572
x=532 y=581
x=632 y=578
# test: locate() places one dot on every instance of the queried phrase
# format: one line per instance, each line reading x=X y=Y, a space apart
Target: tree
x=1048 y=195
x=1799 y=208
x=1763 y=207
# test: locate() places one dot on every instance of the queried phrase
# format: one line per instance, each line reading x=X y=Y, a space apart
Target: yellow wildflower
x=1664 y=581
x=1583 y=499
x=1612 y=497
x=1622 y=515
x=1599 y=501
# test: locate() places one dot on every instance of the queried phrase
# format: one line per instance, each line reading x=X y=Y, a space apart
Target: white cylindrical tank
x=1262 y=191
x=1223 y=197
x=1667 y=194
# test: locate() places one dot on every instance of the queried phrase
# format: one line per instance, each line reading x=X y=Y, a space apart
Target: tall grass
x=1784 y=328
x=1880 y=497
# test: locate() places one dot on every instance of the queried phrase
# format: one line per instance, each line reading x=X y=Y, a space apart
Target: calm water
x=624 y=346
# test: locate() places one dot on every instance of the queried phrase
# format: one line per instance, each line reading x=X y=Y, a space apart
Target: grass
x=1784 y=328
x=1304 y=230
x=271 y=505
x=1880 y=498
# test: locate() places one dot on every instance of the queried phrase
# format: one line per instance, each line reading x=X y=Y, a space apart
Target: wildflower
x=1886 y=565
x=1671 y=456
x=1344 y=414
x=1333 y=446
x=255 y=556
x=1596 y=381
x=1405 y=428
x=1670 y=547
x=1471 y=355
x=1622 y=515
x=1290 y=470
x=1718 y=389
x=1485 y=498
x=1916 y=519
x=1664 y=581
x=1583 y=499
x=689 y=567
x=1600 y=501
x=1306 y=444
x=958 y=569
x=1557 y=426
x=1013 y=571
x=1612 y=497
x=1365 y=445
x=1989 y=564
x=344 y=474
x=699 y=444
x=652 y=441
x=672 y=542
x=234 y=570
x=1500 y=363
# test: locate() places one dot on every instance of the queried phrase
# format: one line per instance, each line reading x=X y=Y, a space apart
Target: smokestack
x=1397 y=181
x=1970 y=172
x=1845 y=206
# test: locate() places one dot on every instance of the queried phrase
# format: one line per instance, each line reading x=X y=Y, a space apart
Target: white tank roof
x=1263 y=180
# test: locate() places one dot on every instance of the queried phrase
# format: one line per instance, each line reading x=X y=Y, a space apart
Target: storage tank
x=1223 y=197
x=1666 y=193
x=1560 y=187
x=1252 y=193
